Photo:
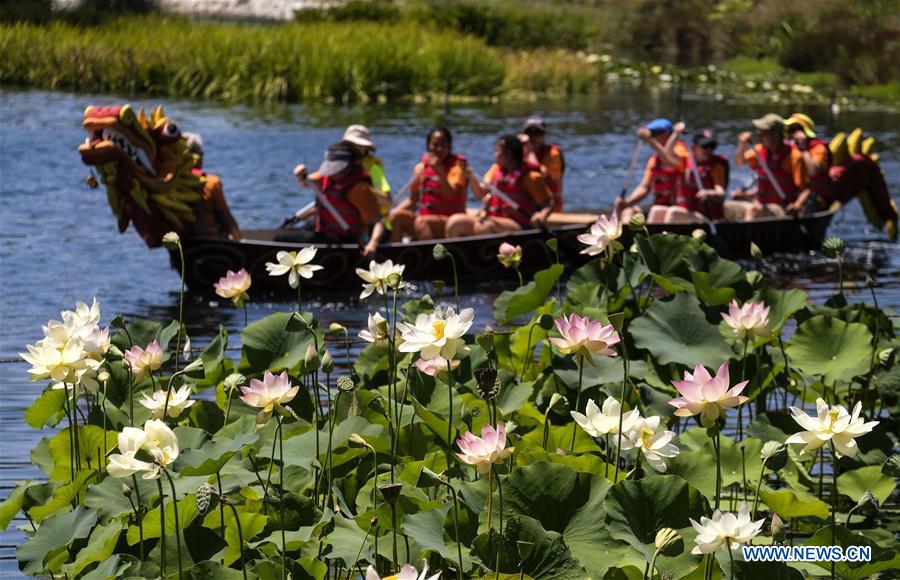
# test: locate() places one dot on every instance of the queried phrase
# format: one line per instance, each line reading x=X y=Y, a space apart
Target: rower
x=437 y=190
x=662 y=173
x=782 y=179
x=548 y=157
x=213 y=216
x=346 y=205
x=519 y=197
x=359 y=137
x=816 y=158
x=701 y=189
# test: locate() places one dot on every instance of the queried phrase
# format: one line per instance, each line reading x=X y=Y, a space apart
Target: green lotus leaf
x=100 y=546
x=427 y=527
x=882 y=558
x=63 y=496
x=891 y=467
x=693 y=464
x=346 y=539
x=676 y=331
x=187 y=513
x=212 y=570
x=548 y=492
x=116 y=566
x=210 y=458
x=854 y=484
x=782 y=305
x=793 y=503
x=49 y=542
x=13 y=503
x=549 y=556
x=832 y=348
x=513 y=303
x=267 y=345
x=252 y=523
x=48 y=409
x=90 y=442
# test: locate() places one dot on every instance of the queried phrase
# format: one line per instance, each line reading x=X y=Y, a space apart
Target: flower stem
x=834 y=498
x=137 y=515
x=162 y=529
x=450 y=411
x=577 y=401
x=68 y=411
x=490 y=505
x=526 y=358
x=652 y=565
x=221 y=506
x=272 y=465
x=177 y=527
x=762 y=472
x=500 y=497
x=730 y=559
x=459 y=571
x=245 y=315
x=455 y=279
x=717 y=448
x=621 y=409
x=519 y=273
x=280 y=436
x=237 y=522
x=329 y=458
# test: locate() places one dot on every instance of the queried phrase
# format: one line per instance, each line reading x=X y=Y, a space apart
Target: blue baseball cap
x=661 y=125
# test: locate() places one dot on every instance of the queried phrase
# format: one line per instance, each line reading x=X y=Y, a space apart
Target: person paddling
x=438 y=188
x=701 y=190
x=547 y=157
x=213 y=216
x=346 y=206
x=816 y=158
x=663 y=171
x=359 y=137
x=519 y=197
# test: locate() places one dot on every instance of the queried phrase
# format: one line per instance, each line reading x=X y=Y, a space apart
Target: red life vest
x=335 y=191
x=664 y=182
x=821 y=184
x=775 y=161
x=686 y=196
x=510 y=183
x=432 y=201
x=546 y=149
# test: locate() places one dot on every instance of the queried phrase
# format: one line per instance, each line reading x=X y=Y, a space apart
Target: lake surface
x=59 y=243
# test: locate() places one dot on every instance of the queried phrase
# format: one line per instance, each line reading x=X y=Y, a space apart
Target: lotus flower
x=484 y=451
x=509 y=255
x=124 y=463
x=408 y=572
x=725 y=528
x=833 y=424
x=584 y=337
x=295 y=264
x=435 y=366
x=156 y=439
x=144 y=360
x=234 y=285
x=599 y=422
x=269 y=393
x=751 y=319
x=61 y=362
x=438 y=334
x=179 y=400
x=376 y=277
x=603 y=235
x=656 y=444
x=707 y=396
x=378 y=329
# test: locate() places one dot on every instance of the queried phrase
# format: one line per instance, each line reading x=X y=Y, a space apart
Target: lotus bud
x=488 y=383
x=171 y=241
x=186 y=351
x=699 y=235
x=777 y=528
x=884 y=355
x=373 y=522
x=776 y=457
x=637 y=222
x=345 y=384
x=870 y=281
x=114 y=351
x=204 y=495
x=834 y=248
x=390 y=492
x=439 y=251
x=311 y=359
x=755 y=252
x=327 y=362
x=357 y=438
x=438 y=286
x=553 y=244
x=393 y=280
x=103 y=376
x=336 y=328
x=126 y=490
x=754 y=278
x=633 y=249
x=234 y=380
x=426 y=302
x=868 y=498
x=669 y=542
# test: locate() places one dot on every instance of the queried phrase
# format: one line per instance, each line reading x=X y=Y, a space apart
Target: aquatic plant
x=311 y=475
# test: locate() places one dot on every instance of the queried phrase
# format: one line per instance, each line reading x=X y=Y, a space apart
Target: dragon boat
x=150 y=180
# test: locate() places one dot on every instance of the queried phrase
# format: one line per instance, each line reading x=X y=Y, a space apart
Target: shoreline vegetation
x=379 y=51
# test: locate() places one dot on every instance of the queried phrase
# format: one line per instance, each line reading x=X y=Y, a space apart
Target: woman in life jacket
x=516 y=198
x=782 y=179
x=547 y=157
x=662 y=173
x=437 y=190
x=816 y=158
x=693 y=202
x=213 y=216
x=359 y=137
x=346 y=206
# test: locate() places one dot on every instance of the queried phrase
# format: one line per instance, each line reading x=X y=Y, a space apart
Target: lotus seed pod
x=834 y=248
x=439 y=252
x=234 y=380
x=699 y=235
x=868 y=498
x=755 y=252
x=171 y=241
x=488 y=383
x=393 y=280
x=345 y=384
x=327 y=362
x=777 y=460
x=204 y=495
x=391 y=492
x=637 y=222
x=546 y=322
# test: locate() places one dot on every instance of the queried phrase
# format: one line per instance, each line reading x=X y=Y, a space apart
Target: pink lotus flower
x=750 y=319
x=509 y=255
x=268 y=394
x=435 y=366
x=143 y=360
x=234 y=285
x=484 y=451
x=707 y=396
x=584 y=337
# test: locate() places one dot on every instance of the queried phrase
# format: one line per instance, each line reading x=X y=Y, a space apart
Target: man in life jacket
x=701 y=192
x=663 y=171
x=517 y=197
x=346 y=206
x=782 y=185
x=816 y=158
x=359 y=137
x=214 y=218
x=547 y=157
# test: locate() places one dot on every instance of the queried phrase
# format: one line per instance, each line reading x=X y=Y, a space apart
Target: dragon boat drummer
x=701 y=190
x=547 y=157
x=662 y=173
x=361 y=139
x=213 y=216
x=517 y=197
x=346 y=206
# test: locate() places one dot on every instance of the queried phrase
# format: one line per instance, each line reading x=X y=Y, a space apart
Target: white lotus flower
x=376 y=277
x=378 y=331
x=598 y=423
x=155 y=439
x=124 y=463
x=295 y=264
x=438 y=334
x=655 y=443
x=162 y=445
x=603 y=234
x=725 y=528
x=179 y=400
x=61 y=362
x=833 y=424
x=408 y=572
x=234 y=286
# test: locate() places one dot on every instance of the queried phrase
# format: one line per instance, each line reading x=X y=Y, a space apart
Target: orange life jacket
x=510 y=183
x=775 y=161
x=554 y=185
x=335 y=191
x=821 y=184
x=686 y=196
x=664 y=182
x=207 y=222
x=432 y=201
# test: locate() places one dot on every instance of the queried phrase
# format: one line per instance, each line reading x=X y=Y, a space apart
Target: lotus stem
x=716 y=441
x=162 y=529
x=137 y=515
x=221 y=505
x=68 y=411
x=245 y=315
x=272 y=465
x=743 y=378
x=393 y=506
x=299 y=299
x=519 y=274
x=834 y=499
x=577 y=401
x=329 y=454
x=359 y=552
x=237 y=523
x=449 y=412
x=130 y=396
x=526 y=358
x=621 y=409
x=500 y=497
x=177 y=527
x=280 y=436
x=652 y=568
x=455 y=279
x=459 y=572
x=744 y=471
x=730 y=559
x=180 y=309
x=490 y=505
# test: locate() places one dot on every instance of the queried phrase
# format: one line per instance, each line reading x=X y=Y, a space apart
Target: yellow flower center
x=833 y=416
x=647 y=436
x=438 y=326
